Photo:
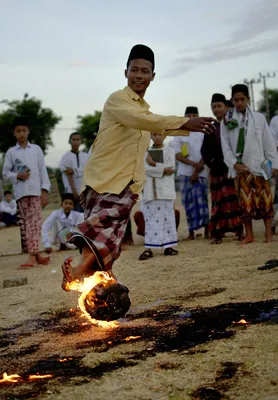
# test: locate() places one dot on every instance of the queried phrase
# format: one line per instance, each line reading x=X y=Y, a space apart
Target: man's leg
x=21 y=216
x=268 y=230
x=8 y=219
x=249 y=232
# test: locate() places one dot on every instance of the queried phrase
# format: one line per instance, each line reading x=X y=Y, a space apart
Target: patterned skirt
x=255 y=196
x=195 y=201
x=106 y=216
x=225 y=210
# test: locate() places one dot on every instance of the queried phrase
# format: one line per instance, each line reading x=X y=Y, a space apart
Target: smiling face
x=219 y=109
x=139 y=75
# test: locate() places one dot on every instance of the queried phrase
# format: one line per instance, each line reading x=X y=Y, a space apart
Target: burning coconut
x=102 y=298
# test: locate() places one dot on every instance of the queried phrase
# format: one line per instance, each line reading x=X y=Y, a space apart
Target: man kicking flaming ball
x=114 y=176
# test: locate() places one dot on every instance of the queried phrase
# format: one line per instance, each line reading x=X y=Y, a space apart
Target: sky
x=71 y=54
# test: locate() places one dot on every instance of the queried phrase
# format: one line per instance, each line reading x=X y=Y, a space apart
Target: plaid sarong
x=195 y=201
x=106 y=217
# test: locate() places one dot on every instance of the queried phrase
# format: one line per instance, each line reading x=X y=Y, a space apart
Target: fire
x=241 y=322
x=85 y=287
x=17 y=378
x=65 y=359
x=129 y=338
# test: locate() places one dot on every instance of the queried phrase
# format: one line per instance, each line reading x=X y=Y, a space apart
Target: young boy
x=193 y=178
x=246 y=143
x=8 y=209
x=225 y=210
x=24 y=167
x=57 y=221
x=114 y=174
x=72 y=167
x=158 y=201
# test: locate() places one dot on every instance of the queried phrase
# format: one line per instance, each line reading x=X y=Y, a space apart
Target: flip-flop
x=26 y=266
x=270 y=264
x=170 y=252
x=146 y=255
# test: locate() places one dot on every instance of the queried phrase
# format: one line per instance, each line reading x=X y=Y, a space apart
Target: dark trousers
x=9 y=219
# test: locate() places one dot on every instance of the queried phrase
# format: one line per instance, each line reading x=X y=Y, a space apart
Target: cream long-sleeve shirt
x=124 y=136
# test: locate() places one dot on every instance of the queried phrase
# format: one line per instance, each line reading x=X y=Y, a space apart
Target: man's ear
x=126 y=73
x=153 y=76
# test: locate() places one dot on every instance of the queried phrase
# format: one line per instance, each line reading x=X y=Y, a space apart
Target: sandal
x=170 y=252
x=146 y=255
x=216 y=241
x=26 y=266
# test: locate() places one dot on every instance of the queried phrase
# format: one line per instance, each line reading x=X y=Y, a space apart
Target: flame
x=129 y=338
x=17 y=378
x=10 y=378
x=85 y=287
x=241 y=322
x=65 y=359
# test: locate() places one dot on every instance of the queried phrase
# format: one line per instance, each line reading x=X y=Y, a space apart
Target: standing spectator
x=72 y=167
x=8 y=209
x=247 y=145
x=193 y=178
x=24 y=167
x=274 y=130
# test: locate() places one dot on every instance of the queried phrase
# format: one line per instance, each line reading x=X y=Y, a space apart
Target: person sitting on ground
x=159 y=196
x=8 y=209
x=57 y=221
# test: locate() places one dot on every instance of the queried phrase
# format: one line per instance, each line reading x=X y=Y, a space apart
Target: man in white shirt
x=274 y=130
x=25 y=168
x=248 y=146
x=8 y=209
x=60 y=222
x=72 y=167
x=193 y=178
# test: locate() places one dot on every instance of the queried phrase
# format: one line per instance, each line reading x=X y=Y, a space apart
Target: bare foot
x=216 y=241
x=190 y=237
x=68 y=275
x=247 y=240
x=42 y=260
x=268 y=238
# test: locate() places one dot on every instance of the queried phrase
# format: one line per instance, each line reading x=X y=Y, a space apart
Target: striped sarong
x=195 y=201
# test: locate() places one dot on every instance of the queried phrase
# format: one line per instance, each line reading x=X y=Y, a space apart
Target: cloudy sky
x=71 y=54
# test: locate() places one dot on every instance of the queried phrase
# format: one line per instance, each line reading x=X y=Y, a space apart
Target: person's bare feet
x=42 y=260
x=247 y=240
x=268 y=237
x=191 y=236
x=216 y=241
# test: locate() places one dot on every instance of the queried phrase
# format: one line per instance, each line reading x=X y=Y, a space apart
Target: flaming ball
x=107 y=301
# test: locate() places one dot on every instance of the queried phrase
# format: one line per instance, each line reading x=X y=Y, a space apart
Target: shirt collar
x=63 y=215
x=20 y=147
x=135 y=96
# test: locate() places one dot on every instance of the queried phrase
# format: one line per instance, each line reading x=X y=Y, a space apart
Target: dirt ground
x=179 y=340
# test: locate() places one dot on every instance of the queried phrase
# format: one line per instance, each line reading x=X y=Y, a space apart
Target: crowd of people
x=233 y=154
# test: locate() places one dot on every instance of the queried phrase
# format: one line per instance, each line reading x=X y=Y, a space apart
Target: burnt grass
x=178 y=329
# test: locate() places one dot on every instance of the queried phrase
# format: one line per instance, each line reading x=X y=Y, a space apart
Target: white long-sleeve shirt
x=16 y=160
x=9 y=208
x=194 y=142
x=77 y=162
x=259 y=144
x=274 y=128
x=72 y=220
x=158 y=185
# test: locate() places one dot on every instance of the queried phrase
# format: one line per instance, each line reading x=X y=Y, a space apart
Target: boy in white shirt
x=65 y=217
x=72 y=167
x=8 y=209
x=25 y=168
x=158 y=201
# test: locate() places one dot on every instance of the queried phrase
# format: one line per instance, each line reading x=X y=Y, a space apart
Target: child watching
x=8 y=209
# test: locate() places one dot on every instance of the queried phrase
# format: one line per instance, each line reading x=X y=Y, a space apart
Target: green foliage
x=273 y=103
x=42 y=122
x=88 y=126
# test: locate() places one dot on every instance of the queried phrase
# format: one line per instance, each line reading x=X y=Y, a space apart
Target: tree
x=42 y=122
x=273 y=102
x=88 y=126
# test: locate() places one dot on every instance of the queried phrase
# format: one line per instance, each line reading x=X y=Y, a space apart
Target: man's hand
x=23 y=176
x=240 y=168
x=199 y=167
x=194 y=177
x=75 y=195
x=44 y=198
x=202 y=124
x=69 y=171
x=168 y=171
x=48 y=250
x=274 y=172
x=150 y=161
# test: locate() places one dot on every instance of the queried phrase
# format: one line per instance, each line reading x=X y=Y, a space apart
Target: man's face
x=139 y=75
x=157 y=138
x=240 y=101
x=219 y=109
x=67 y=206
x=75 y=142
x=21 y=133
x=191 y=115
x=8 y=197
